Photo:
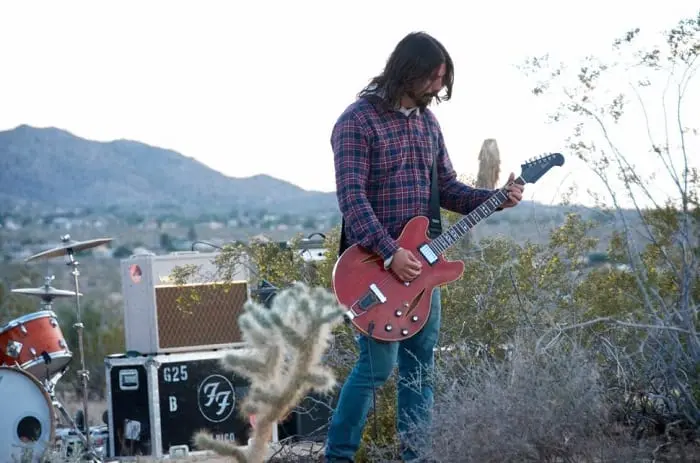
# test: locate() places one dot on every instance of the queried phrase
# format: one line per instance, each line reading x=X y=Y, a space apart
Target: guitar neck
x=460 y=228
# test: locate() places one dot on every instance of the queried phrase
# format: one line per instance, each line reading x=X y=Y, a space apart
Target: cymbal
x=46 y=292
x=69 y=246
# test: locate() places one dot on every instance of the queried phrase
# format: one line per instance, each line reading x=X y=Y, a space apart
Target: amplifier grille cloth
x=199 y=314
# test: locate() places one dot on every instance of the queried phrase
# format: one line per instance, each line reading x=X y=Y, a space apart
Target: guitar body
x=379 y=304
x=385 y=308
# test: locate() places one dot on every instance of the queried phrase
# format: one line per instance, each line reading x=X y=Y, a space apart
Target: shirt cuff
x=387 y=262
x=387 y=247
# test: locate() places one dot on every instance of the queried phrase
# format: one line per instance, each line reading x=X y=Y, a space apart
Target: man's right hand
x=405 y=265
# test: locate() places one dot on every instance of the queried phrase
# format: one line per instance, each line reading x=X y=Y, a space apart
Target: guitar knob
x=414 y=318
x=404 y=332
x=387 y=328
x=399 y=313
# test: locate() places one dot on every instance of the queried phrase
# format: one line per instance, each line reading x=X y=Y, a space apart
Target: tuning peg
x=539 y=159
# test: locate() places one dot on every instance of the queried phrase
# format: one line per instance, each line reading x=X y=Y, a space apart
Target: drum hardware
x=68 y=248
x=50 y=386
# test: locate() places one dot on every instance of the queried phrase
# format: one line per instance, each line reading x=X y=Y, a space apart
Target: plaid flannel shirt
x=383 y=161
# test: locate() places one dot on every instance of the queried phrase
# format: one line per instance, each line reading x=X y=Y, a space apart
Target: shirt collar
x=408 y=111
x=405 y=111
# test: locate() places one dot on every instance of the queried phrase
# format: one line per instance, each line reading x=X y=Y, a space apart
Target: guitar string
x=458 y=229
x=500 y=196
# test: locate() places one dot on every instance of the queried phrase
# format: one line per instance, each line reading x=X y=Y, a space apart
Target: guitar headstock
x=535 y=168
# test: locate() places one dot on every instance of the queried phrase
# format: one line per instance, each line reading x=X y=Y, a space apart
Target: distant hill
x=58 y=169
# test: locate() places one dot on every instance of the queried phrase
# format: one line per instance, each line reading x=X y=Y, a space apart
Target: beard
x=422 y=100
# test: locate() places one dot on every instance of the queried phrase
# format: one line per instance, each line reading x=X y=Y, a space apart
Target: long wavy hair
x=413 y=62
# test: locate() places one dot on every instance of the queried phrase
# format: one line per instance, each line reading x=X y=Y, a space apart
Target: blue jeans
x=415 y=357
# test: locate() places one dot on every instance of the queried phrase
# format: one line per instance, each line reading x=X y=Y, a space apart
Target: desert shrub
x=643 y=312
x=536 y=405
x=549 y=292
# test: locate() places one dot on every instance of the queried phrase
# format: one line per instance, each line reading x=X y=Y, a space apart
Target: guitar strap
x=435 y=227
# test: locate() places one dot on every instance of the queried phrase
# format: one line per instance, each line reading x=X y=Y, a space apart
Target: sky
x=255 y=87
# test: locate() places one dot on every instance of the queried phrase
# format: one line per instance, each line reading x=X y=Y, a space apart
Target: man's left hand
x=515 y=192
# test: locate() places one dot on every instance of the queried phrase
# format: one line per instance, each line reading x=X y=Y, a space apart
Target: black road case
x=156 y=403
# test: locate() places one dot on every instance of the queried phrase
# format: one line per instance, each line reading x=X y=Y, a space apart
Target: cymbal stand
x=46 y=299
x=82 y=373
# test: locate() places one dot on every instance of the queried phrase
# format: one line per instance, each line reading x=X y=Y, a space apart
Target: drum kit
x=33 y=357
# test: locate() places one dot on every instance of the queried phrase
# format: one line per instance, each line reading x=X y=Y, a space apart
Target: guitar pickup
x=428 y=254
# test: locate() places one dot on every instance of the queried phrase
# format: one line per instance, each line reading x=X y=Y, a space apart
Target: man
x=384 y=145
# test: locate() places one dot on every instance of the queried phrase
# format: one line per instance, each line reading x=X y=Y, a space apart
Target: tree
x=655 y=288
x=192 y=233
x=122 y=252
x=166 y=242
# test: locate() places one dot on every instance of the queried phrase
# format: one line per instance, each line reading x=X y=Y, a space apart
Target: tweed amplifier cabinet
x=200 y=313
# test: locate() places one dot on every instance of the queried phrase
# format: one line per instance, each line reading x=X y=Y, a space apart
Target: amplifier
x=199 y=314
x=156 y=403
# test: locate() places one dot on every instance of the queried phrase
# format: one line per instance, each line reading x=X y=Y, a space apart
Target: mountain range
x=54 y=168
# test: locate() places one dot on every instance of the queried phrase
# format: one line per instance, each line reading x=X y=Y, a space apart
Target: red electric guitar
x=385 y=308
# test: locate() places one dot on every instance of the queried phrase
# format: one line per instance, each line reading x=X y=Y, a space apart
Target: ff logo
x=216 y=398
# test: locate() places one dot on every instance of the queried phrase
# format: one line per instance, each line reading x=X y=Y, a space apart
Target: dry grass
x=535 y=407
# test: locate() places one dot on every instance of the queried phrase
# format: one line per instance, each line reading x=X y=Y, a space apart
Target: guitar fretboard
x=453 y=234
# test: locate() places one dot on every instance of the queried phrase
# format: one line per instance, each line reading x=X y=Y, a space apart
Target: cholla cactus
x=283 y=362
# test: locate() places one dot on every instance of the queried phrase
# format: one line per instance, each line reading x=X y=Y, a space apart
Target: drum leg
x=83 y=435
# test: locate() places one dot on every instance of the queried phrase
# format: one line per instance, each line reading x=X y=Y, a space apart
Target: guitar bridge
x=372 y=297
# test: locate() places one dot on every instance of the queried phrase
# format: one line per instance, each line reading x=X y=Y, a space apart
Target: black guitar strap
x=342 y=245
x=435 y=227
